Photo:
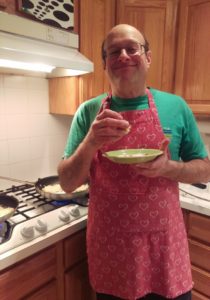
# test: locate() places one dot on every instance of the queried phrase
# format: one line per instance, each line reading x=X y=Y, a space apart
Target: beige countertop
x=196 y=205
x=194 y=202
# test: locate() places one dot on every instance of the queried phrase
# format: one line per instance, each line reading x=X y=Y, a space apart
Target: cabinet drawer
x=199 y=227
x=198 y=296
x=200 y=255
x=28 y=275
x=74 y=249
x=201 y=281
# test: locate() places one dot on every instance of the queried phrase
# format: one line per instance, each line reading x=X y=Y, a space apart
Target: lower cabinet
x=77 y=283
x=77 y=286
x=59 y=272
x=28 y=276
x=198 y=230
x=48 y=292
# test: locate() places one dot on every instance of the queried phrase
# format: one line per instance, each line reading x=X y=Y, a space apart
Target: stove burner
x=31 y=204
x=3 y=231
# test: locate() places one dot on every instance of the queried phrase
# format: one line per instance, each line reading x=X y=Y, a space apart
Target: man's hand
x=108 y=127
x=157 y=167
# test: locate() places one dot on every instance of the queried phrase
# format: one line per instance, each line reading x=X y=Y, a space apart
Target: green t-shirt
x=174 y=114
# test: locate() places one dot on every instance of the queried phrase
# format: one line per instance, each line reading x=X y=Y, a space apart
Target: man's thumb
x=164 y=145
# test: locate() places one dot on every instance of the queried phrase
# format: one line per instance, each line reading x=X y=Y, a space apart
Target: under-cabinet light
x=36 y=67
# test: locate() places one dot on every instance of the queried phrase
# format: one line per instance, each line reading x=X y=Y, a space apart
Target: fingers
x=164 y=145
x=113 y=124
x=111 y=119
x=108 y=127
x=108 y=113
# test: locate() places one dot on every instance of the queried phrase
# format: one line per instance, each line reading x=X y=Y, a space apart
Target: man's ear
x=149 y=57
x=104 y=64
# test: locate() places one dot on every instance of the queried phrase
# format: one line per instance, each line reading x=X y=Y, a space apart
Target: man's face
x=126 y=60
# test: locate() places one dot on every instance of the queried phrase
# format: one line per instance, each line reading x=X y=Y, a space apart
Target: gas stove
x=38 y=222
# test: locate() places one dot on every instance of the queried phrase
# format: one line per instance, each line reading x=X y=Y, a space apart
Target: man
x=136 y=241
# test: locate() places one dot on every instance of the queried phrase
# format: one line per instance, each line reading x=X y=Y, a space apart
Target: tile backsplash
x=31 y=140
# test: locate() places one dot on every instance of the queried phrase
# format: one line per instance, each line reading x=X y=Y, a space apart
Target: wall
x=31 y=140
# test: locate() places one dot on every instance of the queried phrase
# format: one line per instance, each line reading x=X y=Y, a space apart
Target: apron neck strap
x=106 y=102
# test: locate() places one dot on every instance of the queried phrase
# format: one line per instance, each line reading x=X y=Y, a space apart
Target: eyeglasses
x=132 y=49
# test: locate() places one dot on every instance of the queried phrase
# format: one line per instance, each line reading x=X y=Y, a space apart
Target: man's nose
x=123 y=55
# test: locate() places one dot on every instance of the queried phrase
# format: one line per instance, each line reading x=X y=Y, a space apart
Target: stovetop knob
x=41 y=226
x=64 y=216
x=74 y=211
x=27 y=232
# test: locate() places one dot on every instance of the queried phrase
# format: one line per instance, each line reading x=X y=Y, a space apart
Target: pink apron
x=136 y=236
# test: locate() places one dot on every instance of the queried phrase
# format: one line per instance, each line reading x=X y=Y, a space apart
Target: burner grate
x=31 y=204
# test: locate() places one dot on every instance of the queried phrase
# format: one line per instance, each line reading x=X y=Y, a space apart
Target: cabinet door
x=63 y=95
x=28 y=275
x=198 y=296
x=77 y=285
x=74 y=249
x=193 y=63
x=201 y=280
x=8 y=6
x=157 y=19
x=48 y=292
x=199 y=227
x=97 y=17
x=200 y=255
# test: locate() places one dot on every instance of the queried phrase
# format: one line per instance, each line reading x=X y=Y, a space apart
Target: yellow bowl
x=132 y=156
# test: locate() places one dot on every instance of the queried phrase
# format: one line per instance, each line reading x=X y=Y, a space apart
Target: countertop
x=196 y=205
x=17 y=254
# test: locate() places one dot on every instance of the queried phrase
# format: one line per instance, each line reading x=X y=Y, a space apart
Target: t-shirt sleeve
x=81 y=123
x=77 y=132
x=192 y=145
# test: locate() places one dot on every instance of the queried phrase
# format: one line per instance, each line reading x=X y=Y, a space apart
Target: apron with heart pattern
x=136 y=239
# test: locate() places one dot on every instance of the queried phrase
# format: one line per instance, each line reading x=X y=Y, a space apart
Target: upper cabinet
x=64 y=95
x=8 y=6
x=158 y=20
x=97 y=17
x=193 y=64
